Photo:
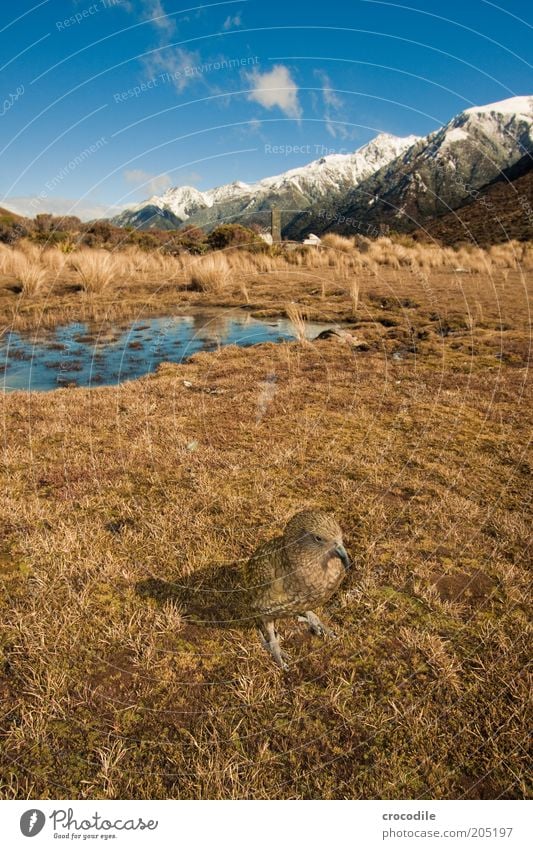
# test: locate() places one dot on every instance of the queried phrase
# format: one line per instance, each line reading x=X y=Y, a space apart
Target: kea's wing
x=264 y=573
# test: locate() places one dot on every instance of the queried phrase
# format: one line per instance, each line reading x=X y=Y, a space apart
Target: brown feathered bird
x=287 y=576
x=294 y=572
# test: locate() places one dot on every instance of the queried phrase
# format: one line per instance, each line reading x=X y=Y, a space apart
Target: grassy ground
x=418 y=444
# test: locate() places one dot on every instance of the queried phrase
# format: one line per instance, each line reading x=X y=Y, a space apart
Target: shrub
x=12 y=229
x=231 y=235
x=192 y=239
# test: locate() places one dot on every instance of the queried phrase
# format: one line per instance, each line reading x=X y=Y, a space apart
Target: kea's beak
x=340 y=551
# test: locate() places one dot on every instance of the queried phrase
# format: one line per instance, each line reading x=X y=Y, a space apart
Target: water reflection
x=83 y=354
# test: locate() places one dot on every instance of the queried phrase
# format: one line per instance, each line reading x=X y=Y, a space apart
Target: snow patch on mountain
x=521 y=105
x=454 y=135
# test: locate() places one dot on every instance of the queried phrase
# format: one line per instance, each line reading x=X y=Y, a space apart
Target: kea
x=294 y=572
x=286 y=576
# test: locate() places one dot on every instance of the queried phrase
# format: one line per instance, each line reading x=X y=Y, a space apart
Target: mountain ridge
x=334 y=173
x=398 y=182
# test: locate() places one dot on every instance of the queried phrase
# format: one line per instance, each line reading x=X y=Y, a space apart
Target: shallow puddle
x=78 y=354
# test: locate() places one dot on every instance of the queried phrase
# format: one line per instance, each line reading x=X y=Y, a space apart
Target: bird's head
x=315 y=536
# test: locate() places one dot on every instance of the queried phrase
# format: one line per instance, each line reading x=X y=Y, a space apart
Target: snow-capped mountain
x=391 y=180
x=437 y=174
x=296 y=189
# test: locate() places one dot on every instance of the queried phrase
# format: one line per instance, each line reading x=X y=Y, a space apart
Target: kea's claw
x=316 y=627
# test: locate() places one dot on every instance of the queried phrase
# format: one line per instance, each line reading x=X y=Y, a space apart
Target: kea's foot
x=270 y=641
x=315 y=625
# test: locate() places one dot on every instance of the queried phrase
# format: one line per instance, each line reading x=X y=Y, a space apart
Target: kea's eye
x=317 y=538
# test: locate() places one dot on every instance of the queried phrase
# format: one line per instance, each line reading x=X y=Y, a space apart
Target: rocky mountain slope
x=500 y=211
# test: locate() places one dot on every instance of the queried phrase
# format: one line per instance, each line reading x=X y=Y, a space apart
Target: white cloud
x=151 y=183
x=173 y=61
x=30 y=206
x=276 y=88
x=231 y=22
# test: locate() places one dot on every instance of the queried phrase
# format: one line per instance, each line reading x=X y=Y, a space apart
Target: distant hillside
x=501 y=210
x=13 y=226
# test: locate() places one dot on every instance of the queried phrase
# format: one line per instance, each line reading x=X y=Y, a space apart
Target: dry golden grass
x=54 y=260
x=29 y=273
x=24 y=266
x=349 y=286
x=121 y=282
x=420 y=446
x=96 y=269
x=210 y=273
x=338 y=243
x=296 y=317
x=107 y=693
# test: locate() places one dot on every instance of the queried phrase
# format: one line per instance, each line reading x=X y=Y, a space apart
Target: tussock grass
x=96 y=269
x=54 y=260
x=210 y=273
x=338 y=243
x=337 y=253
x=29 y=273
x=125 y=280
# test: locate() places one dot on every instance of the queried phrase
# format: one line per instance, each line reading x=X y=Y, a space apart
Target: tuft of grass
x=54 y=260
x=29 y=273
x=95 y=268
x=338 y=243
x=296 y=317
x=210 y=273
x=353 y=291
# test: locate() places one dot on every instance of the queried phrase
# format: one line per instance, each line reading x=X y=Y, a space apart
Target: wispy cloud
x=154 y=11
x=334 y=108
x=276 y=88
x=232 y=21
x=148 y=183
x=177 y=63
x=29 y=206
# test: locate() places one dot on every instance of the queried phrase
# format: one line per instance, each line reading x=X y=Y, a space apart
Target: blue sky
x=105 y=102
